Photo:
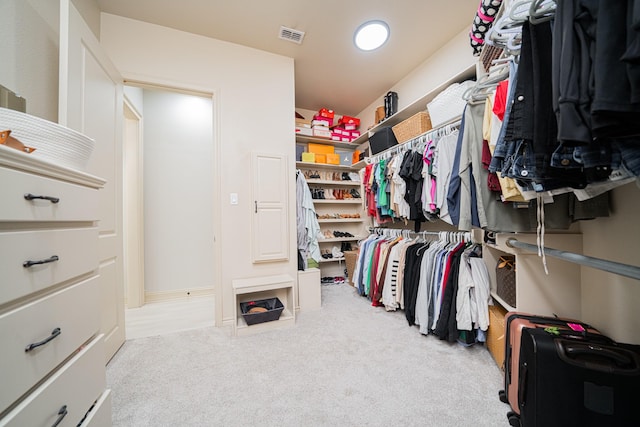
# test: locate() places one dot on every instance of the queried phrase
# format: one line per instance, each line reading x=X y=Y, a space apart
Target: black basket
x=274 y=310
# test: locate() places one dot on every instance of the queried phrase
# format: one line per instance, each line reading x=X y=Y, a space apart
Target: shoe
x=328 y=194
x=355 y=193
x=335 y=252
x=345 y=176
x=338 y=280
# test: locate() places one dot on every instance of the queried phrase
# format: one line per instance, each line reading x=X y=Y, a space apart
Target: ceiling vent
x=291 y=35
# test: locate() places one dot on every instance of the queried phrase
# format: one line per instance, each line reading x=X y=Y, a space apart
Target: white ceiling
x=329 y=71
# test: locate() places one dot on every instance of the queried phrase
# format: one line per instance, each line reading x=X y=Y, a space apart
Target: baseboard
x=177 y=294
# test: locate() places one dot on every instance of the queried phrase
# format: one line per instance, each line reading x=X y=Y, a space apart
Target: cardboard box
x=322 y=133
x=496 y=334
x=309 y=157
x=321 y=158
x=323 y=121
x=304 y=131
x=323 y=112
x=346 y=157
x=320 y=148
x=333 y=159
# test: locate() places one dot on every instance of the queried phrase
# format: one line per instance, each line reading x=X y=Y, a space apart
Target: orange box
x=320 y=149
x=321 y=158
x=333 y=159
x=356 y=157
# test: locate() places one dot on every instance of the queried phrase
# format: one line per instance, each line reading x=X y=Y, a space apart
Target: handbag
x=506 y=279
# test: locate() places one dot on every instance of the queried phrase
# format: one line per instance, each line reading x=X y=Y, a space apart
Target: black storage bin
x=382 y=139
x=274 y=310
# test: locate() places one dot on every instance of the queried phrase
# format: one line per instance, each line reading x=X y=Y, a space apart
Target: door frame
x=147 y=81
x=133 y=206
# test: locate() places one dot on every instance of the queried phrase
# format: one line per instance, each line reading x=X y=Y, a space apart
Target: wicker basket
x=415 y=125
x=350 y=257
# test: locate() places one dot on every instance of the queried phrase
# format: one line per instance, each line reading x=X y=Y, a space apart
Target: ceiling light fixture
x=371 y=35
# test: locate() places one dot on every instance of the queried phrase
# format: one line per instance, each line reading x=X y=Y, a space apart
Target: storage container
x=260 y=311
x=412 y=127
x=381 y=140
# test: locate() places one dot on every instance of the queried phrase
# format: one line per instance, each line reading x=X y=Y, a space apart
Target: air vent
x=291 y=35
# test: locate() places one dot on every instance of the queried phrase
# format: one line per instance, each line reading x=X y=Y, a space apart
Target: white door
x=90 y=101
x=270 y=225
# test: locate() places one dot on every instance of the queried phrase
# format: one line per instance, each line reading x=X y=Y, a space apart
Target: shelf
x=332 y=182
x=502 y=302
x=304 y=139
x=418 y=105
x=360 y=164
x=323 y=260
x=308 y=165
x=339 y=220
x=338 y=202
x=341 y=239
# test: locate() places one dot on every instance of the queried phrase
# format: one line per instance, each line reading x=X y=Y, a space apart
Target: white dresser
x=52 y=369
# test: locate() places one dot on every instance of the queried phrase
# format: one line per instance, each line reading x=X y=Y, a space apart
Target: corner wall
x=253 y=110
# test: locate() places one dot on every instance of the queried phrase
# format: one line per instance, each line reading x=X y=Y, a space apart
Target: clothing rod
x=449 y=126
x=597 y=263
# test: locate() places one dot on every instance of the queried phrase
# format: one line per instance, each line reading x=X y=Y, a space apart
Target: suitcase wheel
x=503 y=396
x=514 y=419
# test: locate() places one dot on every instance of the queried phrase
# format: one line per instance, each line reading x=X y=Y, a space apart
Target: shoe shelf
x=323 y=260
x=304 y=139
x=334 y=182
x=339 y=220
x=306 y=165
x=341 y=239
x=340 y=202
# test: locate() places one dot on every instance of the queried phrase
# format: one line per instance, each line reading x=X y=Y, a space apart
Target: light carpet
x=348 y=364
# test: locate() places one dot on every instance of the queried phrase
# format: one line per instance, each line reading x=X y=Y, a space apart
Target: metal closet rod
x=467 y=236
x=600 y=264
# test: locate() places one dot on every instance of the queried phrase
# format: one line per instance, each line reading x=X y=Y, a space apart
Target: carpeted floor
x=348 y=364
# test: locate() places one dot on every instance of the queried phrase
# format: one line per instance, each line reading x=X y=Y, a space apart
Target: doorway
x=169 y=197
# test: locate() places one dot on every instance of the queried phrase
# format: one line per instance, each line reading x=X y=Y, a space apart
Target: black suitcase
x=576 y=380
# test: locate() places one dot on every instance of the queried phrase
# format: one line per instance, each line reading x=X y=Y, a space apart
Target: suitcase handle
x=595 y=357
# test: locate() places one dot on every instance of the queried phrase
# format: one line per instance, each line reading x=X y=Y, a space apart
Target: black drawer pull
x=30 y=196
x=29 y=263
x=61 y=414
x=54 y=334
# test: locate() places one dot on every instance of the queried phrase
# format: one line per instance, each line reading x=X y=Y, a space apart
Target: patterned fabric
x=483 y=20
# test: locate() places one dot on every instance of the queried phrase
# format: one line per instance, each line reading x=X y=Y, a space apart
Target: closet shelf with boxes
x=328 y=160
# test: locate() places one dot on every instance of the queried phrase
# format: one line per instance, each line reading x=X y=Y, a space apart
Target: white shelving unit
x=355 y=226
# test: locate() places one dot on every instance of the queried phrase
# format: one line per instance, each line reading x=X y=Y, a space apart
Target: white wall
x=450 y=60
x=178 y=192
x=29 y=43
x=254 y=104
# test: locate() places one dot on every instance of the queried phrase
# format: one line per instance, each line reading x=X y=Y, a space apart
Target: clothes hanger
x=541 y=11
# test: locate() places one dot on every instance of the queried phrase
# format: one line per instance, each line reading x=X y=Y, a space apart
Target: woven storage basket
x=449 y=103
x=53 y=142
x=350 y=259
x=415 y=125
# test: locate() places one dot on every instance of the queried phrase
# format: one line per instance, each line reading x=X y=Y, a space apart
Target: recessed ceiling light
x=371 y=35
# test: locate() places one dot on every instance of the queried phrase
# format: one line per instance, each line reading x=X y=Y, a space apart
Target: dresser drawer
x=76 y=250
x=74 y=310
x=74 y=202
x=100 y=415
x=72 y=389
